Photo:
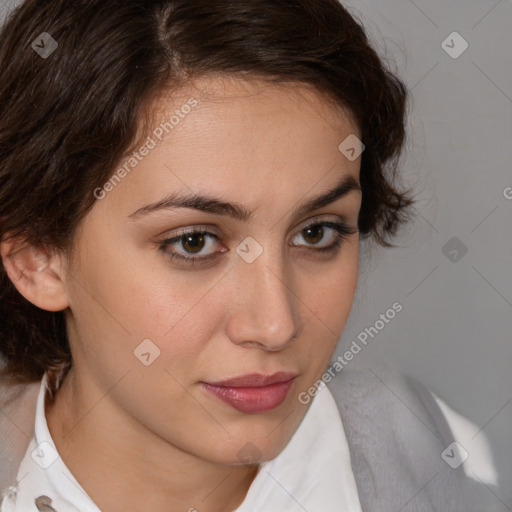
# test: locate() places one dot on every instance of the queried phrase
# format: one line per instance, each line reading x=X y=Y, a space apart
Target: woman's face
x=264 y=296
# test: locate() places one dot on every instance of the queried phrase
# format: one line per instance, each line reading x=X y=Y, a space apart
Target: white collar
x=43 y=473
x=312 y=473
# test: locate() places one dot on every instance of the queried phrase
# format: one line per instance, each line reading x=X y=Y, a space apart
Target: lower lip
x=251 y=400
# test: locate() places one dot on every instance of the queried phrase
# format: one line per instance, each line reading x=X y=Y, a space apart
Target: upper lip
x=255 y=380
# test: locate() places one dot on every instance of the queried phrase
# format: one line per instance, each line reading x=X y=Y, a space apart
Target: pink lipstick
x=254 y=393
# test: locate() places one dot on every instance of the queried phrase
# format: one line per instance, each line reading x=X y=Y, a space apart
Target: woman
x=184 y=186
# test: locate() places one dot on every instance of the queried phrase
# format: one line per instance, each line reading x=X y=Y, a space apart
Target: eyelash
x=342 y=232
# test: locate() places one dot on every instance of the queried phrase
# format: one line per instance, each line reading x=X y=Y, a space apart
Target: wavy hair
x=67 y=119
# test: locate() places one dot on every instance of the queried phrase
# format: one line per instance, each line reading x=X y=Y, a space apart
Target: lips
x=254 y=393
x=255 y=380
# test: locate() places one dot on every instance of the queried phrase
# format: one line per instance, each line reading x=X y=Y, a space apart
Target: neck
x=124 y=466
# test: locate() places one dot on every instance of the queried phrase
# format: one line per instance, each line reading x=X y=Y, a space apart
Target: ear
x=36 y=272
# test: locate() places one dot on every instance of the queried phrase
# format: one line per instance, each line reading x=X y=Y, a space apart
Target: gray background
x=455 y=331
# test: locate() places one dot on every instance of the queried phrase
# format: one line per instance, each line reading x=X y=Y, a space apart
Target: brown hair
x=67 y=119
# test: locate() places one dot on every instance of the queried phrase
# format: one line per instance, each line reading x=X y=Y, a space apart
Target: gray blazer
x=395 y=431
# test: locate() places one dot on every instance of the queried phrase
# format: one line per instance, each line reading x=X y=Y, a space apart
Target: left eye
x=317 y=232
x=195 y=240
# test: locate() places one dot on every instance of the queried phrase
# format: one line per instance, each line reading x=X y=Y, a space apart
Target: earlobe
x=36 y=272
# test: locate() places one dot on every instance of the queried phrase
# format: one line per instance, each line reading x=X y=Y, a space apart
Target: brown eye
x=314 y=233
x=193 y=242
x=196 y=241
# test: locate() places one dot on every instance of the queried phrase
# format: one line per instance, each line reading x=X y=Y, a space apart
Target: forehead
x=250 y=140
x=257 y=98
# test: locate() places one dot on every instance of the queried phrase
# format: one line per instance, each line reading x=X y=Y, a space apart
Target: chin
x=247 y=450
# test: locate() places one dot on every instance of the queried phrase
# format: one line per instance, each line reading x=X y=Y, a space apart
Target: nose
x=263 y=309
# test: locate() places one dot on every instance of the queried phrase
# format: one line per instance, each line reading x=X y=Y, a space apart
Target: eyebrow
x=238 y=211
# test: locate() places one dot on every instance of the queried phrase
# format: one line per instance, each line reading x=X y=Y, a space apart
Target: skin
x=152 y=432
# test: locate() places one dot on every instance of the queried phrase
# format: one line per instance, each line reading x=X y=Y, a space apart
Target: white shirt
x=312 y=473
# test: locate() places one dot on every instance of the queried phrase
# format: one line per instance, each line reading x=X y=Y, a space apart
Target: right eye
x=194 y=240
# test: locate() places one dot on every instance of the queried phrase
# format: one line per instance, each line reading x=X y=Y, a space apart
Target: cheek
x=328 y=301
x=123 y=323
x=126 y=288
x=117 y=304
x=332 y=292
